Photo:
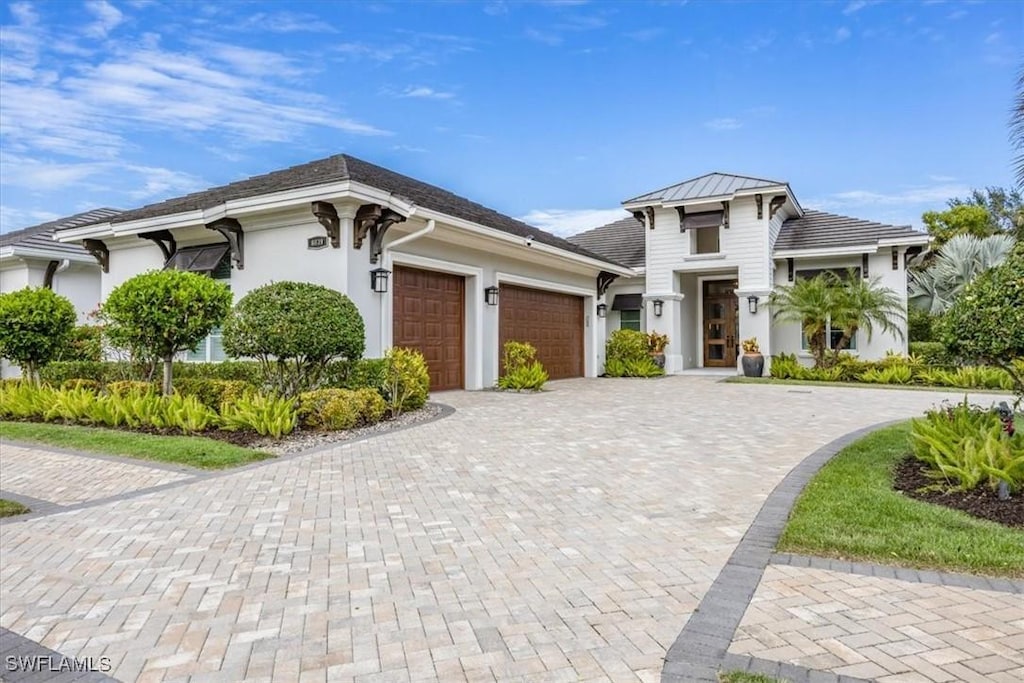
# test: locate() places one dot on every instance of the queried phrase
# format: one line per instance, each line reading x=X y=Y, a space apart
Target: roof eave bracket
x=604 y=281
x=366 y=217
x=775 y=204
x=387 y=218
x=51 y=271
x=163 y=239
x=232 y=231
x=99 y=251
x=327 y=215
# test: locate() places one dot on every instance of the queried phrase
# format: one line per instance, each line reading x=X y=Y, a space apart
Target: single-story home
x=30 y=257
x=707 y=253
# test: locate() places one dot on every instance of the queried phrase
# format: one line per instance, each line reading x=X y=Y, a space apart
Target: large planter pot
x=659 y=359
x=753 y=365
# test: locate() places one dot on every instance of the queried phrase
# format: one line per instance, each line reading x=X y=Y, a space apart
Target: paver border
x=14 y=645
x=36 y=506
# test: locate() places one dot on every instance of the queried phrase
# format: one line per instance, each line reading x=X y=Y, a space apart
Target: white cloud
x=545 y=37
x=855 y=6
x=107 y=16
x=285 y=22
x=409 y=148
x=12 y=218
x=571 y=221
x=423 y=92
x=899 y=206
x=723 y=124
x=842 y=34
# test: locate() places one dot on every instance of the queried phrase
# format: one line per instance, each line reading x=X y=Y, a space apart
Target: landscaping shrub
x=355 y=374
x=85 y=343
x=188 y=413
x=294 y=329
x=372 y=405
x=58 y=372
x=407 y=381
x=920 y=325
x=628 y=354
x=522 y=369
x=35 y=324
x=335 y=409
x=633 y=367
x=125 y=387
x=90 y=384
x=24 y=400
x=213 y=392
x=162 y=313
x=785 y=366
x=893 y=374
x=964 y=447
x=228 y=370
x=266 y=415
x=930 y=352
x=72 y=405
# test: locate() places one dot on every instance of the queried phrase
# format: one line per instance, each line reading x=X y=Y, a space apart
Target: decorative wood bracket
x=604 y=281
x=649 y=212
x=789 y=265
x=386 y=220
x=895 y=258
x=231 y=230
x=759 y=201
x=99 y=252
x=864 y=266
x=163 y=239
x=51 y=270
x=725 y=215
x=776 y=204
x=327 y=215
x=645 y=214
x=681 y=210
x=366 y=217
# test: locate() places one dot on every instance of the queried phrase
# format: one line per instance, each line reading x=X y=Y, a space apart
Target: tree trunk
x=168 y=369
x=30 y=370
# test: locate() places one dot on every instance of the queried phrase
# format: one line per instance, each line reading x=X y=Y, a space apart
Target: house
x=31 y=258
x=427 y=269
x=707 y=252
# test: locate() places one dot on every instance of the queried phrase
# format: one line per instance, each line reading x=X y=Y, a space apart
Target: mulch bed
x=909 y=478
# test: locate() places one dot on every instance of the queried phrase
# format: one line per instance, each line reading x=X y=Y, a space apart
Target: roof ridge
x=695 y=179
x=55 y=224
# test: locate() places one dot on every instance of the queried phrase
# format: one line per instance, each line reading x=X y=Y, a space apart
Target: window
x=705 y=240
x=211 y=349
x=629 y=320
x=833 y=336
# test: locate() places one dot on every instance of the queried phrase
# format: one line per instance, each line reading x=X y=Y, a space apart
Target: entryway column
x=755 y=321
x=668 y=322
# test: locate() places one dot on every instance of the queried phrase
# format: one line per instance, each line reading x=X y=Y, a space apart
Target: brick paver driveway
x=562 y=536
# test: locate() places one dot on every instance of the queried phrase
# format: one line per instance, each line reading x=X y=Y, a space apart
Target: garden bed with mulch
x=910 y=478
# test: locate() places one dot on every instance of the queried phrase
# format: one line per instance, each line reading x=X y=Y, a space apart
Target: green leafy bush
x=58 y=372
x=372 y=405
x=982 y=377
x=328 y=409
x=85 y=343
x=893 y=374
x=72 y=405
x=125 y=387
x=24 y=400
x=964 y=447
x=266 y=415
x=930 y=352
x=523 y=372
x=188 y=413
x=785 y=366
x=407 y=381
x=228 y=370
x=355 y=374
x=626 y=345
x=213 y=392
x=294 y=329
x=920 y=325
x=35 y=324
x=90 y=384
x=633 y=367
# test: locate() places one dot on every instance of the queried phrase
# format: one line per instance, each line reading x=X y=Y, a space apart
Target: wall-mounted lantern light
x=658 y=304
x=602 y=310
x=752 y=304
x=491 y=296
x=379 y=280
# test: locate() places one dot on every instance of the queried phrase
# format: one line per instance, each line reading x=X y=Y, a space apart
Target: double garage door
x=429 y=315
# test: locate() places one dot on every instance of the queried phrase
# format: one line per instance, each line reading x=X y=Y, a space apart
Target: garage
x=551 y=321
x=429 y=315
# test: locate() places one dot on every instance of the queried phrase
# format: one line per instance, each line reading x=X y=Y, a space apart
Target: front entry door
x=721 y=319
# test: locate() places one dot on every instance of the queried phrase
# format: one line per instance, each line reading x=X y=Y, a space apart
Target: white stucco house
x=30 y=257
x=708 y=251
x=431 y=270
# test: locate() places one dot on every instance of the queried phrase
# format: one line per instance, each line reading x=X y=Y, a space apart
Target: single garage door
x=428 y=315
x=552 y=322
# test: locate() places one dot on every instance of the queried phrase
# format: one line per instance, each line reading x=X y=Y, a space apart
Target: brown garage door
x=428 y=315
x=552 y=322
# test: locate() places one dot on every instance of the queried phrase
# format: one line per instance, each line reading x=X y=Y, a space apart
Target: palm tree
x=1017 y=129
x=847 y=303
x=959 y=261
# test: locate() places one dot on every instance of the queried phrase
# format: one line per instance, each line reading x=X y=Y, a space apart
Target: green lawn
x=863 y=385
x=8 y=508
x=194 y=451
x=849 y=510
x=742 y=677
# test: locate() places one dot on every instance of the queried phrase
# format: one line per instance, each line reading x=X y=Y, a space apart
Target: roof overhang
x=748 y=192
x=12 y=252
x=826 y=251
x=347 y=190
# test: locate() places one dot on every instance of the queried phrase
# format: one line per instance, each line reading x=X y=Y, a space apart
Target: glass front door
x=721 y=323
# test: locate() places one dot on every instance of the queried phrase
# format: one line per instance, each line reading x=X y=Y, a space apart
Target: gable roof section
x=821 y=230
x=621 y=241
x=345 y=167
x=40 y=237
x=708 y=185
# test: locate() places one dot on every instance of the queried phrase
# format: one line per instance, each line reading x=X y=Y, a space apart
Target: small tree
x=986 y=322
x=294 y=329
x=164 y=312
x=35 y=324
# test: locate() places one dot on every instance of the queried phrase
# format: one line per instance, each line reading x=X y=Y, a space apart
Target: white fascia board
x=97 y=230
x=6 y=252
x=507 y=238
x=826 y=251
x=749 y=192
x=905 y=241
x=47 y=255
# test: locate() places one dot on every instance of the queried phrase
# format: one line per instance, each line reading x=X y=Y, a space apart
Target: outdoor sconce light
x=602 y=310
x=379 y=280
x=658 y=303
x=491 y=296
x=752 y=304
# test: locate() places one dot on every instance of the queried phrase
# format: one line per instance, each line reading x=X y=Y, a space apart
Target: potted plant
x=656 y=344
x=753 y=361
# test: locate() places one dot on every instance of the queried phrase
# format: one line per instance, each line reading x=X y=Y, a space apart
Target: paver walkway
x=561 y=536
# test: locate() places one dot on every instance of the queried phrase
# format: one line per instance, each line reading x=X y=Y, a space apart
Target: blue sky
x=549 y=111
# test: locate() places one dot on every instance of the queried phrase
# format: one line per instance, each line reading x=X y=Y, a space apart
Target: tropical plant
x=897 y=374
x=329 y=409
x=523 y=372
x=164 y=312
x=957 y=263
x=407 y=380
x=1017 y=129
x=264 y=414
x=751 y=347
x=623 y=345
x=212 y=393
x=656 y=342
x=85 y=343
x=294 y=329
x=35 y=324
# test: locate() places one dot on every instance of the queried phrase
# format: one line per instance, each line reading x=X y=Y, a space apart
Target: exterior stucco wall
x=80 y=283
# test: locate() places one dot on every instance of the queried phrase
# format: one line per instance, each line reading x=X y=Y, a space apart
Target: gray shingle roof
x=621 y=241
x=345 y=167
x=819 y=230
x=709 y=185
x=41 y=236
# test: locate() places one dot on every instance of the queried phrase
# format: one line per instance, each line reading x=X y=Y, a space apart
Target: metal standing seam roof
x=345 y=167
x=821 y=230
x=708 y=185
x=621 y=241
x=40 y=237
